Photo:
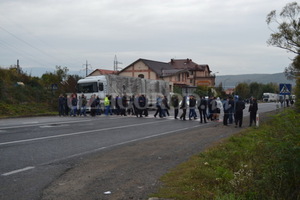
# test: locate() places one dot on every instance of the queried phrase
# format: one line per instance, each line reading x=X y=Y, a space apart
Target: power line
x=32 y=46
x=16 y=50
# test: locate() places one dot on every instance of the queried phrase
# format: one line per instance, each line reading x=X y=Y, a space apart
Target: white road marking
x=47 y=123
x=53 y=126
x=77 y=133
x=30 y=122
x=18 y=171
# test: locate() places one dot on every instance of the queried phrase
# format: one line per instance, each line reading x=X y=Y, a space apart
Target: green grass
x=261 y=163
x=25 y=109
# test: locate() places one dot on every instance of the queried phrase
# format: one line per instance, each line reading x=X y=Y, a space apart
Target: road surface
x=34 y=152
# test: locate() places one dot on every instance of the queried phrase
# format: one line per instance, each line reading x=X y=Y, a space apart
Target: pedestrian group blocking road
x=208 y=108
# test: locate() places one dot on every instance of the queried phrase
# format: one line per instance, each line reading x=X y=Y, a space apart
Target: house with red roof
x=180 y=72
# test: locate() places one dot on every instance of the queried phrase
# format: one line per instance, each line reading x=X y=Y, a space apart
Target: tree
x=255 y=90
x=62 y=73
x=69 y=85
x=287 y=35
x=270 y=87
x=243 y=90
x=293 y=70
x=204 y=91
x=220 y=91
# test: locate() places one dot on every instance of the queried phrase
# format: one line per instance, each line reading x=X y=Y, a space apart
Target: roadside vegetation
x=24 y=95
x=258 y=163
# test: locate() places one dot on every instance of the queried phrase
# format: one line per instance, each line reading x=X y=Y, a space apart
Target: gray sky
x=228 y=35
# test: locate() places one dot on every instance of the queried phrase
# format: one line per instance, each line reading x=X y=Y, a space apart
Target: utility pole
x=18 y=67
x=116 y=62
x=86 y=67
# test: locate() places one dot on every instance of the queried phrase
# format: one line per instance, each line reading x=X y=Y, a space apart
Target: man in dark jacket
x=226 y=107
x=238 y=115
x=253 y=110
x=192 y=113
x=61 y=104
x=124 y=105
x=183 y=107
x=74 y=105
x=175 y=104
x=142 y=104
x=202 y=109
x=231 y=110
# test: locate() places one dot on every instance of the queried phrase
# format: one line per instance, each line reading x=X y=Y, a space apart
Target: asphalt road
x=35 y=151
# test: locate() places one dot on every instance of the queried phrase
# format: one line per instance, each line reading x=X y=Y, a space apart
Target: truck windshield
x=87 y=87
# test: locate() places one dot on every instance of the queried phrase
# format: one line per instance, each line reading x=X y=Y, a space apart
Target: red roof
x=104 y=71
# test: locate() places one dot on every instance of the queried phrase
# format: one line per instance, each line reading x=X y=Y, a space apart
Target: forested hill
x=230 y=81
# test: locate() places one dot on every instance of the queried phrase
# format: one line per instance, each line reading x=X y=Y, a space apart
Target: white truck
x=270 y=97
x=120 y=85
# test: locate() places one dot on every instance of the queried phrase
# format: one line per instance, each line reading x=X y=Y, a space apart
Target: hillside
x=230 y=81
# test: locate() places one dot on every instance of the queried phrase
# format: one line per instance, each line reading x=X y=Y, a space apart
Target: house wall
x=95 y=73
x=139 y=68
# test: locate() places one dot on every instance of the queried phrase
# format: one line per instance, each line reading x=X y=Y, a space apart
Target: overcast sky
x=228 y=35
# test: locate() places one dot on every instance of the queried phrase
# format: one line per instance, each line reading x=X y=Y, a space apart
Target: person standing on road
x=117 y=105
x=106 y=105
x=226 y=107
x=159 y=110
x=124 y=105
x=239 y=107
x=92 y=104
x=192 y=105
x=175 y=104
x=183 y=107
x=142 y=104
x=98 y=106
x=165 y=105
x=66 y=106
x=231 y=109
x=202 y=109
x=74 y=105
x=219 y=108
x=61 y=104
x=212 y=105
x=253 y=110
x=83 y=105
x=130 y=105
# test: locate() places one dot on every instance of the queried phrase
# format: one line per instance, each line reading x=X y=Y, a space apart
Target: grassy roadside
x=26 y=109
x=261 y=163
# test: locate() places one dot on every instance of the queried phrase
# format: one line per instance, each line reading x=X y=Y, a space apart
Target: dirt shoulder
x=133 y=171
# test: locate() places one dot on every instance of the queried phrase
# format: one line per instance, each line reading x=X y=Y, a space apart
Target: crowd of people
x=208 y=108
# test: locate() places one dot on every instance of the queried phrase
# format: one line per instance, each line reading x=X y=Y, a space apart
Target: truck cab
x=92 y=85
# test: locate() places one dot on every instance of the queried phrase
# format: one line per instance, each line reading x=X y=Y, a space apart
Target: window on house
x=141 y=76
